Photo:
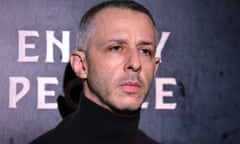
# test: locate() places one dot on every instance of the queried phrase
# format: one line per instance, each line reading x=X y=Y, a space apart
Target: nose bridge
x=133 y=61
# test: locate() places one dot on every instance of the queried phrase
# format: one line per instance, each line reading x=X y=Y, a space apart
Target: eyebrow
x=120 y=41
x=142 y=42
x=146 y=43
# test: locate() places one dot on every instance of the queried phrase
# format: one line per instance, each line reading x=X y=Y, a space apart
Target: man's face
x=121 y=59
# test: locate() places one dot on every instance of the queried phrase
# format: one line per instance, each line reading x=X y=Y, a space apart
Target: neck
x=106 y=124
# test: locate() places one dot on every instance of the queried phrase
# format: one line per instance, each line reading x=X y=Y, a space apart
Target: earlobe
x=78 y=63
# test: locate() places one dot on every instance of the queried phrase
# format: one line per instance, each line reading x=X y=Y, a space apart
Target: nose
x=133 y=61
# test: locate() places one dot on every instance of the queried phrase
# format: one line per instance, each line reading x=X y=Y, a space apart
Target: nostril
x=134 y=67
x=133 y=62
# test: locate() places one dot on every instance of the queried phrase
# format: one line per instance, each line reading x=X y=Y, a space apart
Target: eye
x=116 y=48
x=146 y=52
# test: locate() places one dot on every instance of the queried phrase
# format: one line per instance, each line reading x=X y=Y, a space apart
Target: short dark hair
x=85 y=26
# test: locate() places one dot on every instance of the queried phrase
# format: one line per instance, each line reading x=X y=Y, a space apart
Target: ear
x=157 y=62
x=78 y=63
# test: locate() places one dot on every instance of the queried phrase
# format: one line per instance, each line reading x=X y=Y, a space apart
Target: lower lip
x=130 y=88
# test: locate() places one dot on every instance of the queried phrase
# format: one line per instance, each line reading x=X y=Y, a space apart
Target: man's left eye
x=146 y=52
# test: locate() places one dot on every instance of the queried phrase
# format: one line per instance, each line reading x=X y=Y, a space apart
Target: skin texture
x=120 y=64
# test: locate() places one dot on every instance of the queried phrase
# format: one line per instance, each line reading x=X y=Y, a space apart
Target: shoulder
x=58 y=134
x=44 y=139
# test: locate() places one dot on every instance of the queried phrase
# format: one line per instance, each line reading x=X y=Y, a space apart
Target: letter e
x=22 y=46
x=160 y=93
x=42 y=93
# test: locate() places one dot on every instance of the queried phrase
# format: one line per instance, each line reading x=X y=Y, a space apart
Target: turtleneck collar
x=107 y=126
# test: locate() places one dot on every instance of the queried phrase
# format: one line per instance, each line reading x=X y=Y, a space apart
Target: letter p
x=15 y=96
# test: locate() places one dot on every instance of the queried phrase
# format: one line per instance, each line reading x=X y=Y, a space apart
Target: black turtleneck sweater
x=92 y=124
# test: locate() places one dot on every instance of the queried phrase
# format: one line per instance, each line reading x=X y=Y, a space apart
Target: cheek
x=112 y=66
x=148 y=68
x=148 y=73
x=104 y=64
x=114 y=61
x=103 y=71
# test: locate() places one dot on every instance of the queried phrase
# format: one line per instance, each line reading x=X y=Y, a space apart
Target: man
x=116 y=62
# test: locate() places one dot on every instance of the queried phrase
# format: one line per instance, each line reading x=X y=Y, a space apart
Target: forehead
x=113 y=20
x=115 y=13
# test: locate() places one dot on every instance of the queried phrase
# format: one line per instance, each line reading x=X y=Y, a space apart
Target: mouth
x=131 y=87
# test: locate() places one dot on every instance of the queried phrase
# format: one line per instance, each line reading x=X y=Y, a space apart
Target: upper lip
x=131 y=83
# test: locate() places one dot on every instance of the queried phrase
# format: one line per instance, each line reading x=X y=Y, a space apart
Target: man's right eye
x=116 y=48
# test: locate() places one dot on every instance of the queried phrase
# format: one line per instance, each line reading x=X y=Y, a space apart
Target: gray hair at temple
x=86 y=26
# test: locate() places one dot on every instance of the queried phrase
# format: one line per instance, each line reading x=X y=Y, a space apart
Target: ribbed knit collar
x=105 y=126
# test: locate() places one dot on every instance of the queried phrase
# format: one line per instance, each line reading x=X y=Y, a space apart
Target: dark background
x=202 y=54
